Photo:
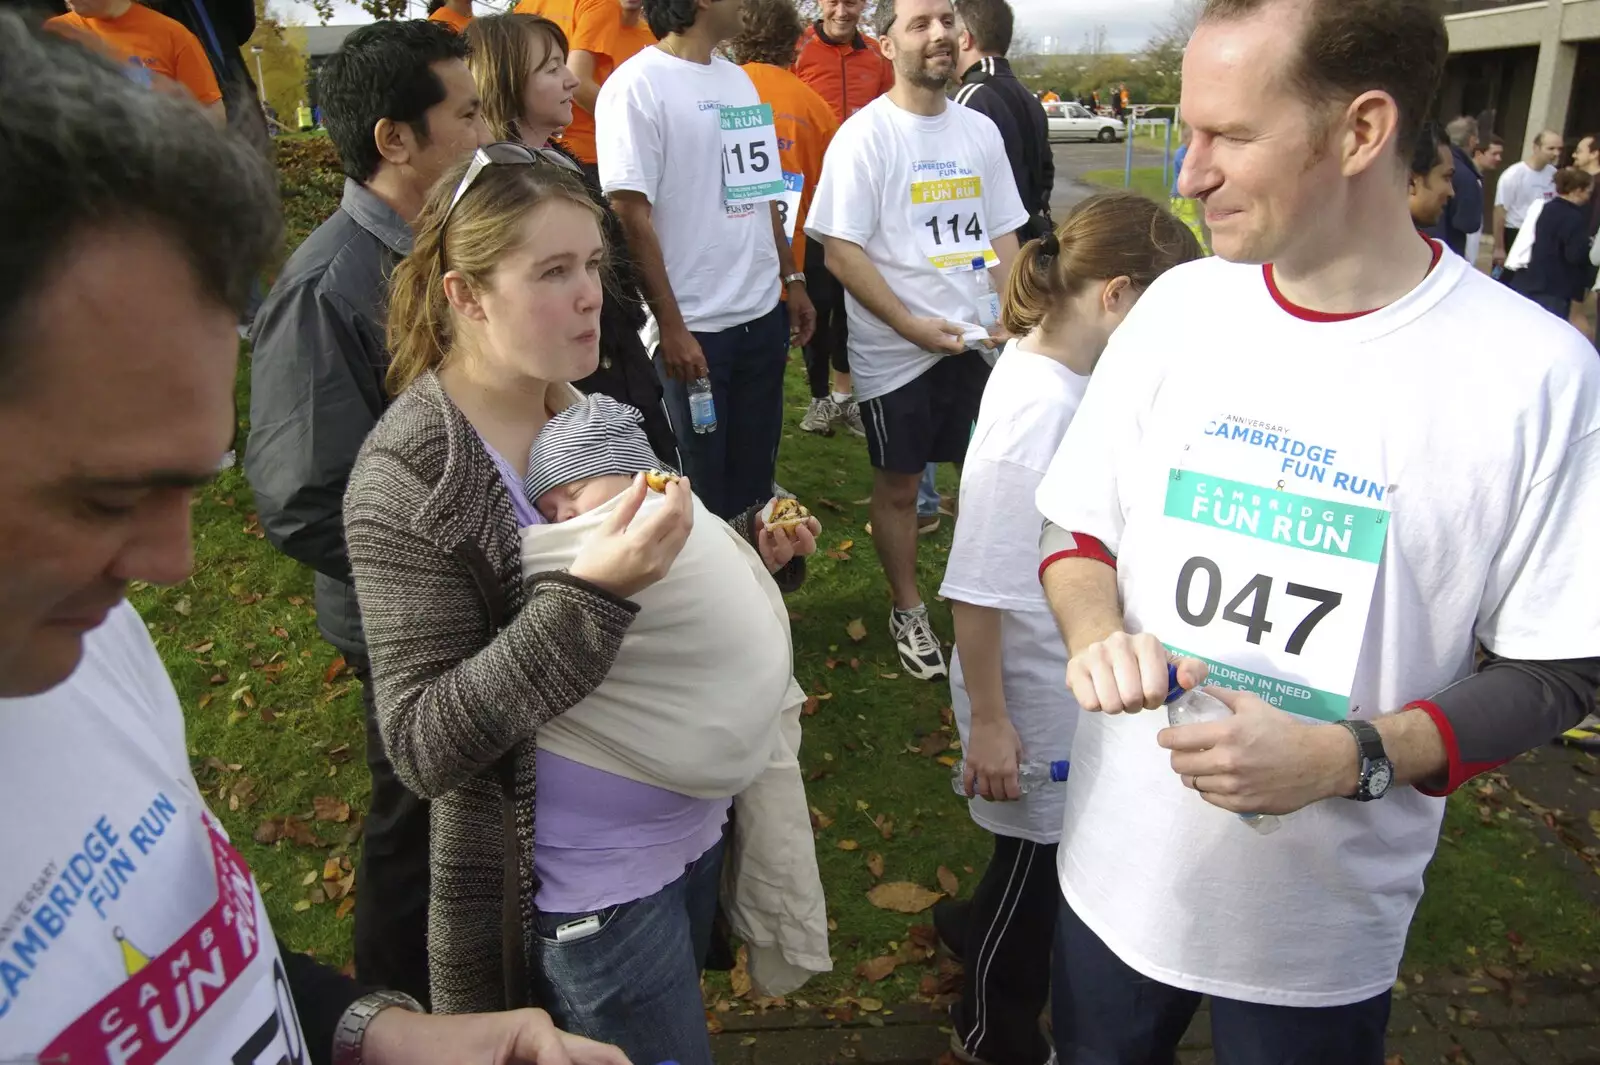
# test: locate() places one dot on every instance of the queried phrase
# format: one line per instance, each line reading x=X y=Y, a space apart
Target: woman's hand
x=992 y=755
x=781 y=546
x=624 y=557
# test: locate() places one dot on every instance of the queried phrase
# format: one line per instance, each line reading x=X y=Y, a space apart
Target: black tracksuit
x=990 y=88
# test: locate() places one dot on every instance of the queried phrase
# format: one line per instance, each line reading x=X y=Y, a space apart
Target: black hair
x=85 y=149
x=670 y=16
x=383 y=70
x=1425 y=155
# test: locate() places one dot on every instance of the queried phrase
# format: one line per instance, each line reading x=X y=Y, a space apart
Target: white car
x=1074 y=122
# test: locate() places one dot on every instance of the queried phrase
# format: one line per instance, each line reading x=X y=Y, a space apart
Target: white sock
x=841 y=398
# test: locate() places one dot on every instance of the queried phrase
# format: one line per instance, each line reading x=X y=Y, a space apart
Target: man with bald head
x=1521 y=186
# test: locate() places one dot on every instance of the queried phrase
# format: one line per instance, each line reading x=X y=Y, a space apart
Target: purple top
x=601 y=839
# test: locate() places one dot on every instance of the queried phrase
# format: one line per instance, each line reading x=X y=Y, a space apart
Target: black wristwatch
x=1377 y=772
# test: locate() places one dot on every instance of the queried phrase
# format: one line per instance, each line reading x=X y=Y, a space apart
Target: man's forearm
x=581 y=64
x=1005 y=247
x=785 y=252
x=1500 y=228
x=1083 y=597
x=848 y=262
x=978 y=644
x=646 y=249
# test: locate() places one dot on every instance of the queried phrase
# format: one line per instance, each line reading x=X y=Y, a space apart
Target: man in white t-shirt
x=1280 y=474
x=1522 y=185
x=916 y=204
x=131 y=930
x=689 y=156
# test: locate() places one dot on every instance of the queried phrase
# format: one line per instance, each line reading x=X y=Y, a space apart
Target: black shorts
x=929 y=419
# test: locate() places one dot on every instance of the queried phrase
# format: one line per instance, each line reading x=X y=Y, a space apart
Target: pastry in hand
x=657 y=480
x=785 y=514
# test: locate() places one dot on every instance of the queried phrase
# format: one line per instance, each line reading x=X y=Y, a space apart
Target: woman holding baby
x=518 y=577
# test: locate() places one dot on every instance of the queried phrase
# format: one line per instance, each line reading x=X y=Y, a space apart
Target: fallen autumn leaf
x=876 y=969
x=856 y=630
x=902 y=896
x=947 y=881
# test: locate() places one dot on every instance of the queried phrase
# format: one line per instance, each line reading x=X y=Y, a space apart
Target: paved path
x=1075 y=159
x=1444 y=1019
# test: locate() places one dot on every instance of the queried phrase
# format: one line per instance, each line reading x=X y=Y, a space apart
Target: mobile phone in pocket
x=582 y=928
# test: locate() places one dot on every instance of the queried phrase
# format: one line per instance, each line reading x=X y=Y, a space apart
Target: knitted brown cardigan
x=468 y=661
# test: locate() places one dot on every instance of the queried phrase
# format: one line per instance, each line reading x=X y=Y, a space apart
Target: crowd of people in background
x=519 y=404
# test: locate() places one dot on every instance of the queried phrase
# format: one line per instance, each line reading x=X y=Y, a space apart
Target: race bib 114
x=948 y=219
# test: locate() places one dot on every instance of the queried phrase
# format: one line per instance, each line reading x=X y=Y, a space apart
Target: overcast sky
x=1128 y=22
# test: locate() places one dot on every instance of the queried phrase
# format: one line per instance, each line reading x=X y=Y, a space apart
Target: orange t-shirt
x=558 y=11
x=152 y=43
x=454 y=19
x=597 y=29
x=806 y=125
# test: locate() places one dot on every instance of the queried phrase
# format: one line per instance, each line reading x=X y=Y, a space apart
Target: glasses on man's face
x=507 y=153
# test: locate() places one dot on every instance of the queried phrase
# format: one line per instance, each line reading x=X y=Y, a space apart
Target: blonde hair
x=1115 y=234
x=471 y=240
x=503 y=51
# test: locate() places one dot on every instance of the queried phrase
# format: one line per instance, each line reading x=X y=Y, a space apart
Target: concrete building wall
x=1526 y=58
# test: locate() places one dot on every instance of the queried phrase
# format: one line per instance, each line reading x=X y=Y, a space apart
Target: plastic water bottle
x=702 y=406
x=1034 y=773
x=988 y=302
x=1194 y=707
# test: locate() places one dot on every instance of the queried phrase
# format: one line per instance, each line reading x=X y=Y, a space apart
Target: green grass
x=1147 y=181
x=302 y=739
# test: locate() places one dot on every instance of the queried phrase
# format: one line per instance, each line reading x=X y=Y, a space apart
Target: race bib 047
x=1269 y=578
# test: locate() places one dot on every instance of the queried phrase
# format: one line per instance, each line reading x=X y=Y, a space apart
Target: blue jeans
x=732 y=467
x=635 y=981
x=928 y=492
x=1105 y=1013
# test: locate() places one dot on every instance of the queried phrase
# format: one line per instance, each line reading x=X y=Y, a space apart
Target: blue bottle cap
x=1174 y=689
x=978 y=263
x=1058 y=770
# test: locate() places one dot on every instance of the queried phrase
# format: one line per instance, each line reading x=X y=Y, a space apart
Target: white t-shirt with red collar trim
x=1332 y=512
x=131 y=933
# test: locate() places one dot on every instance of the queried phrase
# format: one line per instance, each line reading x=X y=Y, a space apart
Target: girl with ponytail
x=1068 y=290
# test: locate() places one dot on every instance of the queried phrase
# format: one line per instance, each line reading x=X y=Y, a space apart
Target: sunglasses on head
x=507 y=153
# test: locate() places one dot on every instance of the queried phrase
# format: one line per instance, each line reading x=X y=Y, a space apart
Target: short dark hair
x=990 y=22
x=883 y=15
x=85 y=149
x=670 y=16
x=1494 y=141
x=1349 y=47
x=1571 y=179
x=1425 y=156
x=771 y=33
x=383 y=70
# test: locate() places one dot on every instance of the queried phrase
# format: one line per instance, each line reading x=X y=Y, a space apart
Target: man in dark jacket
x=1559 y=272
x=989 y=87
x=400 y=105
x=1463 y=214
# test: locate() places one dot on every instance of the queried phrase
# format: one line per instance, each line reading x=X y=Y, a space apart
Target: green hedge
x=310 y=182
